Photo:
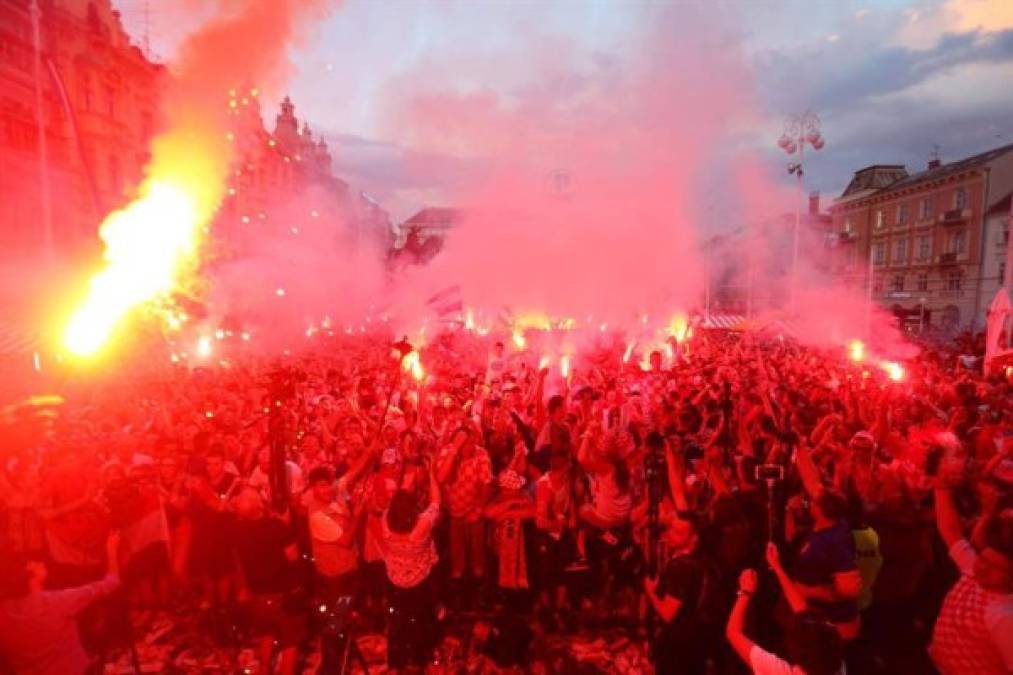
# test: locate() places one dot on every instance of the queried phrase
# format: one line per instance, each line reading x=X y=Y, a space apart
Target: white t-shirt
x=261 y=480
x=764 y=663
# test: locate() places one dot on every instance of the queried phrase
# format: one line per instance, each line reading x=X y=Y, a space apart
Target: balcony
x=947 y=259
x=847 y=237
x=954 y=216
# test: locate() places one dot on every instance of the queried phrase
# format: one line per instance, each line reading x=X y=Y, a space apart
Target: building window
x=1002 y=272
x=924 y=247
x=848 y=227
x=960 y=198
x=898 y=283
x=879 y=219
x=925 y=209
x=879 y=253
x=900 y=251
x=877 y=285
x=901 y=214
x=957 y=242
x=953 y=281
x=923 y=282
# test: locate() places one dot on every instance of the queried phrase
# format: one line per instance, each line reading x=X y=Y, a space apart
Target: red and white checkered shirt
x=974 y=631
x=464 y=489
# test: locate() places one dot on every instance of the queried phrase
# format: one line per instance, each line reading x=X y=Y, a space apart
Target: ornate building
x=925 y=236
x=99 y=106
x=284 y=180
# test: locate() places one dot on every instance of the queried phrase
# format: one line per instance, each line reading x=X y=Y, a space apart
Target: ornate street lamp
x=799 y=130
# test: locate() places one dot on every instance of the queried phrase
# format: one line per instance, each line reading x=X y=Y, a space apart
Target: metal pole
x=40 y=121
x=707 y=287
x=921 y=318
x=749 y=289
x=798 y=219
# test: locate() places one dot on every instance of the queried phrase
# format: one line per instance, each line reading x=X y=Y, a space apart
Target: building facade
x=924 y=237
x=99 y=107
x=283 y=179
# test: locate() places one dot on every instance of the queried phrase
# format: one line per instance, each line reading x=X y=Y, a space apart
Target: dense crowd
x=742 y=504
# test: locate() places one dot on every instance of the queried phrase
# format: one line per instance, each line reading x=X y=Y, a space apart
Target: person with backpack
x=684 y=595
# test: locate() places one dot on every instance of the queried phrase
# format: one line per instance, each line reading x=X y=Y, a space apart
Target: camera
x=769 y=472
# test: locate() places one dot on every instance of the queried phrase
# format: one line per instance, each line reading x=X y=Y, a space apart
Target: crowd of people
x=741 y=504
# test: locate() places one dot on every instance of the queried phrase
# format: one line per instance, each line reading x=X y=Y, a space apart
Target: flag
x=997 y=328
x=447 y=304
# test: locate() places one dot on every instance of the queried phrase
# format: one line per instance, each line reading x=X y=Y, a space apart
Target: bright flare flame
x=564 y=366
x=629 y=351
x=149 y=244
x=519 y=340
x=544 y=362
x=413 y=364
x=894 y=370
x=536 y=321
x=856 y=351
x=679 y=328
x=204 y=346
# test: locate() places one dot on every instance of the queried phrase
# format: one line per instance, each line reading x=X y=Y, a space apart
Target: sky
x=891 y=81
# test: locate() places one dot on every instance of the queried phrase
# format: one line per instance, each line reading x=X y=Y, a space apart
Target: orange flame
x=856 y=351
x=679 y=328
x=413 y=364
x=894 y=370
x=152 y=244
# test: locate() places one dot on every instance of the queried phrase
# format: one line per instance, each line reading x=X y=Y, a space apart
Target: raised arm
x=735 y=628
x=792 y=594
x=948 y=522
x=808 y=471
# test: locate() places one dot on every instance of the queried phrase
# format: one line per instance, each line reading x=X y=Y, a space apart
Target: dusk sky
x=889 y=79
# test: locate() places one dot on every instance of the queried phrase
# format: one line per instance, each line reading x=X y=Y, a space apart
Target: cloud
x=400 y=177
x=885 y=96
x=926 y=24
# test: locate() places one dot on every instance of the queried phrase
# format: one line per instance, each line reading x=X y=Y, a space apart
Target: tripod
x=338 y=646
x=654 y=468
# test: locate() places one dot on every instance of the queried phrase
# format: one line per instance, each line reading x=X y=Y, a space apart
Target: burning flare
x=149 y=245
x=856 y=351
x=679 y=328
x=894 y=370
x=152 y=244
x=413 y=364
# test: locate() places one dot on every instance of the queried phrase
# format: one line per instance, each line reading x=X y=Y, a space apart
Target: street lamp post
x=799 y=130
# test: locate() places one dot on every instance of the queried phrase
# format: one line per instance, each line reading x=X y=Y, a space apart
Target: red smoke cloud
x=589 y=198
